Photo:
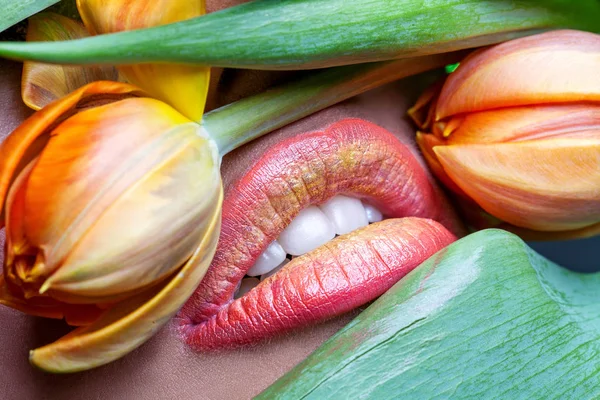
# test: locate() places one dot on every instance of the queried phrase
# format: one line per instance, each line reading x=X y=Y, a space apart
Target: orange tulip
x=111 y=198
x=516 y=130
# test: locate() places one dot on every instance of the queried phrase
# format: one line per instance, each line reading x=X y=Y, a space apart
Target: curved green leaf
x=485 y=318
x=14 y=11
x=302 y=34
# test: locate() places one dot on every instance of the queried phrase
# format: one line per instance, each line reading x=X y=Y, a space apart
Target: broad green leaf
x=485 y=318
x=302 y=34
x=14 y=11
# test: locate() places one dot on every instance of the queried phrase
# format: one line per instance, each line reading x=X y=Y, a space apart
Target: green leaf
x=14 y=11
x=485 y=318
x=302 y=34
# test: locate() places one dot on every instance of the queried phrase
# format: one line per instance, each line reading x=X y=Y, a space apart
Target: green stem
x=304 y=34
x=245 y=120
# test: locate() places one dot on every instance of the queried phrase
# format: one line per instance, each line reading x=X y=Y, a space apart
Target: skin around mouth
x=352 y=157
x=165 y=367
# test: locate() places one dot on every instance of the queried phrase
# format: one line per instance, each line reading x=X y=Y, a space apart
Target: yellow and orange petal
x=94 y=160
x=423 y=112
x=184 y=87
x=140 y=235
x=549 y=68
x=571 y=120
x=427 y=142
x=28 y=140
x=129 y=324
x=73 y=314
x=547 y=185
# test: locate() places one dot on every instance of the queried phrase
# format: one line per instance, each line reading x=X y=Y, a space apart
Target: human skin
x=165 y=367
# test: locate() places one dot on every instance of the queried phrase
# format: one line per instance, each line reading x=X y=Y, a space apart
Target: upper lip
x=351 y=157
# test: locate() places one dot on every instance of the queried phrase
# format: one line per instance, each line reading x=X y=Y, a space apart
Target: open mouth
x=301 y=194
x=312 y=228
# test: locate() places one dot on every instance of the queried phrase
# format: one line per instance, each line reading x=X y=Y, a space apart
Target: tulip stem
x=238 y=123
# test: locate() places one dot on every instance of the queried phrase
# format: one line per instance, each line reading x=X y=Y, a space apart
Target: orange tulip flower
x=516 y=129
x=111 y=197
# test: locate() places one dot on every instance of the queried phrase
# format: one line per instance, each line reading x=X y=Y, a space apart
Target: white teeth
x=313 y=227
x=274 y=270
x=245 y=286
x=373 y=214
x=309 y=230
x=346 y=213
x=269 y=259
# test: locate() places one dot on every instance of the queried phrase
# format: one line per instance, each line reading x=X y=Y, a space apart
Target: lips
x=351 y=157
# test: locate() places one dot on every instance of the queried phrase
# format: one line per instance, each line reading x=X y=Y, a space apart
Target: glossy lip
x=351 y=157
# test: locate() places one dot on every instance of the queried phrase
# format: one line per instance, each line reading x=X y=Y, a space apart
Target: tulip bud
x=109 y=198
x=515 y=129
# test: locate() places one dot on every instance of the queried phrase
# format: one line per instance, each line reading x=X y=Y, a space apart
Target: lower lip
x=351 y=157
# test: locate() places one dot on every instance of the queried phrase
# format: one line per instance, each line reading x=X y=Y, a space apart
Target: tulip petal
x=89 y=164
x=16 y=240
x=52 y=310
x=532 y=235
x=25 y=143
x=184 y=87
x=553 y=67
x=426 y=143
x=578 y=120
x=547 y=185
x=422 y=113
x=478 y=219
x=131 y=323
x=75 y=315
x=44 y=83
x=152 y=227
x=21 y=267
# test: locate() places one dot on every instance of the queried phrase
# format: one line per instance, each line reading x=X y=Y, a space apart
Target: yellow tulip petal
x=44 y=83
x=546 y=185
x=553 y=67
x=132 y=322
x=578 y=120
x=184 y=87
